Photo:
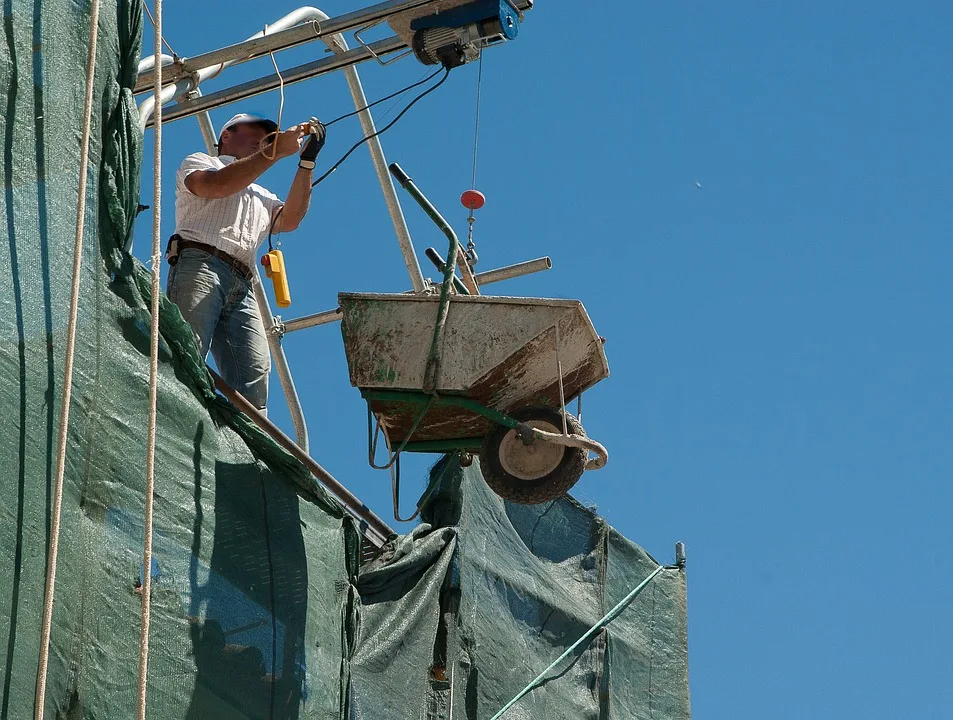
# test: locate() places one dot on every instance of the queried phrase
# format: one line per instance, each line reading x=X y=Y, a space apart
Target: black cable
x=388 y=126
x=384 y=99
x=364 y=139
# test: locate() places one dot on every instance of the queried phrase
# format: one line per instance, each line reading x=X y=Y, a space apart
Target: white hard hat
x=247 y=118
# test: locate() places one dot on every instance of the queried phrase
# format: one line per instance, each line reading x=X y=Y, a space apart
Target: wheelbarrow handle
x=399 y=175
x=578 y=441
x=438 y=262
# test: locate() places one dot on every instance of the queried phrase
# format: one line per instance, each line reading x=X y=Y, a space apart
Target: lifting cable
x=47 y=621
x=476 y=124
x=153 y=379
x=473 y=199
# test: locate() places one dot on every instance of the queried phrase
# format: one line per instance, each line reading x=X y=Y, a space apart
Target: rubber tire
x=549 y=487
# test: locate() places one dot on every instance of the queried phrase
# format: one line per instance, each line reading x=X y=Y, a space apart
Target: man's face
x=242 y=140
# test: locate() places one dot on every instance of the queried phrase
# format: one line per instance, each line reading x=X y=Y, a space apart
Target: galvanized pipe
x=169 y=92
x=148 y=64
x=196 y=76
x=372 y=526
x=281 y=362
x=250 y=49
x=512 y=271
x=271 y=82
x=206 y=127
x=295 y=17
x=296 y=28
x=387 y=187
x=307 y=321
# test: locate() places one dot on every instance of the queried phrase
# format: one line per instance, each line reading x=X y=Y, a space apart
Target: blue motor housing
x=457 y=36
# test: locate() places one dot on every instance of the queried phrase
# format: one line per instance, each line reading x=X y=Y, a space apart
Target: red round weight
x=473 y=199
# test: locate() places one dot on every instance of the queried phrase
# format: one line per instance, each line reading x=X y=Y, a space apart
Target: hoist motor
x=456 y=37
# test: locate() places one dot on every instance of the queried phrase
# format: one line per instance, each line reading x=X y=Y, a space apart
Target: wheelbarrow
x=478 y=374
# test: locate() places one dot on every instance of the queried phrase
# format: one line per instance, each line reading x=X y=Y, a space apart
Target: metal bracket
x=526 y=433
x=278 y=328
x=360 y=40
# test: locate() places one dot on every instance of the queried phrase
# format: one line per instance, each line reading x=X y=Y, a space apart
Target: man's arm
x=295 y=208
x=238 y=175
x=290 y=215
x=232 y=178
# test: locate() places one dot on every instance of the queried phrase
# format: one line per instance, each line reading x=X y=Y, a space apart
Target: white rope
x=281 y=106
x=47 y=622
x=153 y=375
x=559 y=374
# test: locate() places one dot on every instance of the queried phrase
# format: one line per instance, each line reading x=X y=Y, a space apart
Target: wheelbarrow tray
x=497 y=351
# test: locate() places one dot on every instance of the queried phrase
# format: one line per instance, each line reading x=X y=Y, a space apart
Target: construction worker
x=221 y=217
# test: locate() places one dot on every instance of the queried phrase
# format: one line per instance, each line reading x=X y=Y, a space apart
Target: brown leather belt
x=234 y=264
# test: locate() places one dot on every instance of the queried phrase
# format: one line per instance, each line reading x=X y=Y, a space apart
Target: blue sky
x=779 y=338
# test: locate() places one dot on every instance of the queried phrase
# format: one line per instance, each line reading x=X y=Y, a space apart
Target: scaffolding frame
x=182 y=78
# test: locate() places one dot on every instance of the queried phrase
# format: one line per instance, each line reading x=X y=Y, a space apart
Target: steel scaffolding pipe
x=513 y=271
x=307 y=321
x=281 y=363
x=298 y=27
x=271 y=82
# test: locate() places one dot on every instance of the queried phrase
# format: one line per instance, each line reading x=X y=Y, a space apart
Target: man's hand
x=287 y=142
x=314 y=143
x=312 y=146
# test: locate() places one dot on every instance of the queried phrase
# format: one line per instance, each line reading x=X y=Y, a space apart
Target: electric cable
x=364 y=139
x=384 y=99
x=388 y=126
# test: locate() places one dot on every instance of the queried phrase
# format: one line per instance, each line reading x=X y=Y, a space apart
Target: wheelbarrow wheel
x=535 y=473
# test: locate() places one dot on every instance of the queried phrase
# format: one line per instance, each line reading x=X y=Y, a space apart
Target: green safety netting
x=485 y=594
x=261 y=608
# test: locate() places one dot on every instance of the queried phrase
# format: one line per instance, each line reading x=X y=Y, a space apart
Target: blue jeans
x=220 y=306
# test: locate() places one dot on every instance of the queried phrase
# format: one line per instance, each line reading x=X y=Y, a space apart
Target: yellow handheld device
x=274 y=263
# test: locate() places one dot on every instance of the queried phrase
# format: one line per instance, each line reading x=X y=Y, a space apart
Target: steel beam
x=272 y=82
x=282 y=40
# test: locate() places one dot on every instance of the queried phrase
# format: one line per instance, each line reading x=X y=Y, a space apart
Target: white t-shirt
x=236 y=224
